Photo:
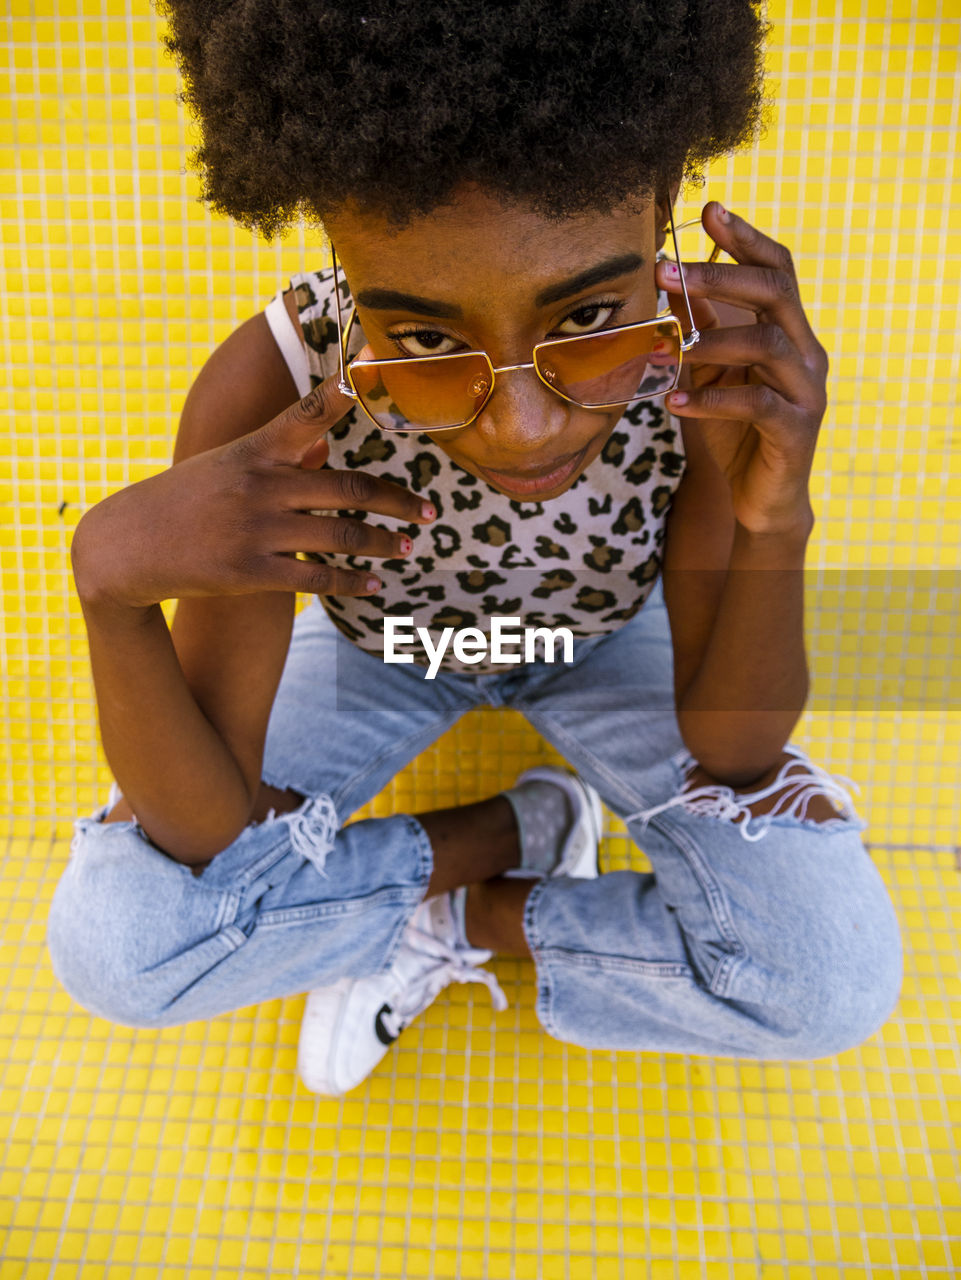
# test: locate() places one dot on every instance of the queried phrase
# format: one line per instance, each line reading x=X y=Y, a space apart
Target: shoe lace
x=441 y=964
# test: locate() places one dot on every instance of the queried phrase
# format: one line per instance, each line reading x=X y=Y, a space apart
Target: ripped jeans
x=764 y=937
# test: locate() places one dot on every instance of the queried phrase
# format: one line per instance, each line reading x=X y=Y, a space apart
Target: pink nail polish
x=427 y=511
x=406 y=546
x=679 y=397
x=672 y=270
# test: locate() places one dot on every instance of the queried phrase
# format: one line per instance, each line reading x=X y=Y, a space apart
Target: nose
x=522 y=416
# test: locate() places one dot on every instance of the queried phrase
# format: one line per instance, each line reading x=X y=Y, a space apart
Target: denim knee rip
x=311 y=827
x=720 y=801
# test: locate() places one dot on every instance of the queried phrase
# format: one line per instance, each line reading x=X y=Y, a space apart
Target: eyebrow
x=393 y=300
x=624 y=264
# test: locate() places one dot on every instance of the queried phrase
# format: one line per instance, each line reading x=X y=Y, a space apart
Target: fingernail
x=672 y=270
x=679 y=397
x=373 y=584
x=427 y=511
x=723 y=214
x=406 y=546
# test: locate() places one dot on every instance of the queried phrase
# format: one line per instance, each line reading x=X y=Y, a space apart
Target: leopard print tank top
x=586 y=560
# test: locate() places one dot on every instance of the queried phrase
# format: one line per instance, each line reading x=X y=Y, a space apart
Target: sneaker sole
x=318 y=1076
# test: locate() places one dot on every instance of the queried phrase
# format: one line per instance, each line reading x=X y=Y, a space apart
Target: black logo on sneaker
x=386 y=1032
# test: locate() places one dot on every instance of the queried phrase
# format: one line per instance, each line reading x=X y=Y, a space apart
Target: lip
x=525 y=484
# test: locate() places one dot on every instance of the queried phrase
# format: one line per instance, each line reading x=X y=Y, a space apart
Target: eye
x=423 y=342
x=595 y=315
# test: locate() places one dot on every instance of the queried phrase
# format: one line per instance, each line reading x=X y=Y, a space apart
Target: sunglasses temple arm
x=693 y=335
x=345 y=388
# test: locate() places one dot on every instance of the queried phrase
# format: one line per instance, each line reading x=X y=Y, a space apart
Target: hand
x=756 y=391
x=231 y=520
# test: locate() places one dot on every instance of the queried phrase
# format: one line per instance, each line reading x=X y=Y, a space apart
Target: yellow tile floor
x=480 y=1147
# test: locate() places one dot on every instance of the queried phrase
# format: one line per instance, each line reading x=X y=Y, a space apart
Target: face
x=482 y=275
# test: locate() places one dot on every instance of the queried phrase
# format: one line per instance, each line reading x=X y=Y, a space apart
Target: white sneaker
x=579 y=854
x=349 y=1026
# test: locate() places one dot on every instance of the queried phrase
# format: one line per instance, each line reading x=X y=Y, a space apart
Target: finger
x=765 y=346
x=291 y=436
x=744 y=242
x=772 y=296
x=785 y=424
x=763 y=278
x=704 y=314
x=705 y=317
x=287 y=573
x=353 y=491
x=338 y=535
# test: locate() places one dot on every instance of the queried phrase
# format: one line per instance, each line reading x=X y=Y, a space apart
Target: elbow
x=193 y=841
x=197 y=850
x=736 y=749
x=194 y=829
x=738 y=779
x=737 y=745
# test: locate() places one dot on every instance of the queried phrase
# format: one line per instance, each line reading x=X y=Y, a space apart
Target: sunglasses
x=607 y=369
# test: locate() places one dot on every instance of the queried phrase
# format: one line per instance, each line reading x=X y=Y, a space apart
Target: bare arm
x=750 y=688
x=187 y=773
x=232 y=649
x=183 y=725
x=750 y=412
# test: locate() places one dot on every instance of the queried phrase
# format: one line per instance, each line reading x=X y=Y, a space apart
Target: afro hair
x=569 y=106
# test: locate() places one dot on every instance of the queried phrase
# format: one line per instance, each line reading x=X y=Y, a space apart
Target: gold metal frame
x=663 y=317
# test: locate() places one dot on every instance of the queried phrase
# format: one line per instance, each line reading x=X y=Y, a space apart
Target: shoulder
x=243 y=384
x=310 y=303
x=293 y=310
x=311 y=306
x=253 y=374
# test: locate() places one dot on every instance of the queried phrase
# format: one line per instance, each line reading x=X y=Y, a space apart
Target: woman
x=497 y=183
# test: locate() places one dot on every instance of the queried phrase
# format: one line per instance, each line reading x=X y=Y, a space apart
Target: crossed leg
x=495 y=908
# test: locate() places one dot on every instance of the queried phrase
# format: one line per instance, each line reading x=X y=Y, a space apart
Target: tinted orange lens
x=614 y=366
x=423 y=394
